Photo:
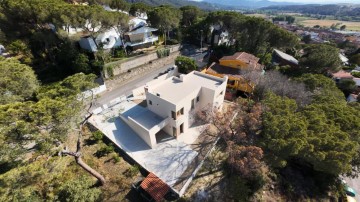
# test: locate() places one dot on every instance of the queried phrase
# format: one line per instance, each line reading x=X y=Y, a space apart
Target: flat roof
x=286 y=56
x=142 y=116
x=174 y=90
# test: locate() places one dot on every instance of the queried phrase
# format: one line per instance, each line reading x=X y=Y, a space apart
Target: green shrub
x=105 y=150
x=116 y=158
x=132 y=171
x=172 y=42
x=110 y=71
x=119 y=53
x=238 y=188
x=185 y=64
x=163 y=52
x=97 y=135
x=356 y=74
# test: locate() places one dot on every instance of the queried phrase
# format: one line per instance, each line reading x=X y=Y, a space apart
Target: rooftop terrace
x=175 y=89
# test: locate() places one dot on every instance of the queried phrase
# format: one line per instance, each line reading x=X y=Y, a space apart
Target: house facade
x=177 y=99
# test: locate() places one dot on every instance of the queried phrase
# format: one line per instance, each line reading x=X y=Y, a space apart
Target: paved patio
x=168 y=160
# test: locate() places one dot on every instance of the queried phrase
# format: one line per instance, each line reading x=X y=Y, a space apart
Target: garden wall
x=120 y=67
x=141 y=70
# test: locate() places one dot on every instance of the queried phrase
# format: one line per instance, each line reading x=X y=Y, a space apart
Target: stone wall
x=141 y=70
x=120 y=67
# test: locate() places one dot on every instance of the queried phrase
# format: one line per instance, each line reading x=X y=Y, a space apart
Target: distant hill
x=249 y=3
x=316 y=9
x=180 y=3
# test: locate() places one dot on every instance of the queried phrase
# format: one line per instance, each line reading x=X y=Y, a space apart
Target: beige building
x=179 y=97
x=172 y=104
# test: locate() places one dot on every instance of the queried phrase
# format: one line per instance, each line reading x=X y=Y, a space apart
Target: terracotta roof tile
x=155 y=187
x=342 y=75
x=246 y=57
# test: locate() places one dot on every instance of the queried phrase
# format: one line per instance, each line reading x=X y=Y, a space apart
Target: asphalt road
x=127 y=88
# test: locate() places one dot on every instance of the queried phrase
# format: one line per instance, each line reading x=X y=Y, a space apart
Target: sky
x=320 y=1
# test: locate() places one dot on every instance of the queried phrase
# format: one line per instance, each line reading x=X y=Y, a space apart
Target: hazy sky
x=322 y=1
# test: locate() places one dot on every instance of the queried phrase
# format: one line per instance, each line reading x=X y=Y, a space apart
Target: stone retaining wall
x=120 y=67
x=141 y=70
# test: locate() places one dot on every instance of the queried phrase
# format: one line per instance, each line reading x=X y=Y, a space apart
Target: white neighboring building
x=172 y=104
x=344 y=60
x=109 y=39
x=2 y=49
x=141 y=36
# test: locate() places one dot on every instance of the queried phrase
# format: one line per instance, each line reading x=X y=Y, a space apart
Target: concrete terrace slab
x=168 y=160
x=141 y=115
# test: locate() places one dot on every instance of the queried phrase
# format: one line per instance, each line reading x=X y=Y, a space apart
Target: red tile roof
x=250 y=60
x=342 y=75
x=155 y=187
x=246 y=57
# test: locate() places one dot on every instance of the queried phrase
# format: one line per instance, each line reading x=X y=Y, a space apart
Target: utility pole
x=201 y=32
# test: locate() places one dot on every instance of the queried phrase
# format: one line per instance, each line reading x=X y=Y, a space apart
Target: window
x=174 y=132
x=150 y=102
x=182 y=128
x=231 y=82
x=192 y=103
x=173 y=115
x=197 y=98
x=182 y=111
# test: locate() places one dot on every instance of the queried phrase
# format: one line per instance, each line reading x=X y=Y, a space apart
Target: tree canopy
x=17 y=81
x=165 y=18
x=185 y=64
x=320 y=58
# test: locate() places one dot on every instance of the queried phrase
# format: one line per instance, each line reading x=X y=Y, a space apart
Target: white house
x=172 y=104
x=141 y=36
x=2 y=49
x=344 y=60
x=352 y=98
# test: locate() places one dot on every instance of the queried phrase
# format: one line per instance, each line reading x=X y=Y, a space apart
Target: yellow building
x=241 y=60
x=237 y=67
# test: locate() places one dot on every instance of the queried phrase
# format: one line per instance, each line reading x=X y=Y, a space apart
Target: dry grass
x=118 y=184
x=257 y=15
x=354 y=26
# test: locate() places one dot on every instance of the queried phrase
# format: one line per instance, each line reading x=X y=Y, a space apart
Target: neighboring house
x=173 y=103
x=344 y=60
x=2 y=49
x=236 y=77
x=240 y=69
x=343 y=75
x=352 y=98
x=218 y=36
x=281 y=59
x=136 y=22
x=109 y=39
x=88 y=43
x=241 y=60
x=140 y=37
